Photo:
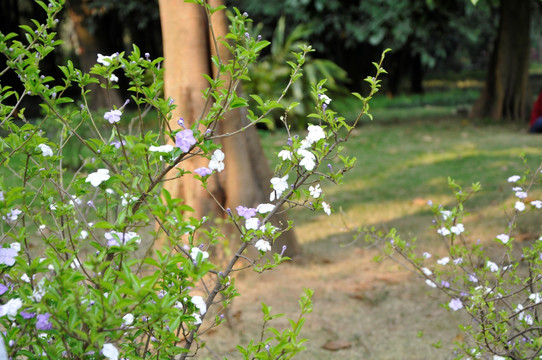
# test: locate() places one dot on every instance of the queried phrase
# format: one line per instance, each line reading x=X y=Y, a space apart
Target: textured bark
x=88 y=46
x=505 y=95
x=245 y=180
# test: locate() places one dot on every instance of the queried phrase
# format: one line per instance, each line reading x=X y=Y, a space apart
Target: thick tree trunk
x=88 y=47
x=245 y=179
x=505 y=95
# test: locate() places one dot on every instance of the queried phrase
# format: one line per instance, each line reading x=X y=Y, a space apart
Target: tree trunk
x=505 y=95
x=245 y=179
x=88 y=47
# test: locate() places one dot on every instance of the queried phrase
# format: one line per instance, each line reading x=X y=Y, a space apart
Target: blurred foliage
x=271 y=74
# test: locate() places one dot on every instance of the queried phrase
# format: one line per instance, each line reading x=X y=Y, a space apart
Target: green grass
x=402 y=165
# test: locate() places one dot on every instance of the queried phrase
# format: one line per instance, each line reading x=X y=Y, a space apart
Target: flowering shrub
x=499 y=290
x=79 y=277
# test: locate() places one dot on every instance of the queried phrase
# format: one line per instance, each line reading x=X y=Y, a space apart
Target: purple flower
x=7 y=256
x=43 y=322
x=3 y=289
x=245 y=212
x=203 y=171
x=117 y=144
x=113 y=116
x=27 y=315
x=455 y=304
x=184 y=140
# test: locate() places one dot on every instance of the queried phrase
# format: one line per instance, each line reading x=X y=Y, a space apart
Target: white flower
x=128 y=319
x=426 y=271
x=285 y=155
x=315 y=134
x=315 y=191
x=197 y=317
x=307 y=159
x=217 y=161
x=443 y=261
x=492 y=266
x=457 y=229
x=458 y=261
x=113 y=78
x=163 y=148
x=45 y=150
x=325 y=99
x=200 y=304
x=522 y=316
x=265 y=208
x=15 y=246
x=110 y=351
x=279 y=186
x=430 y=283
x=25 y=278
x=514 y=178
x=262 y=245
x=536 y=298
x=326 y=207
x=196 y=251
x=443 y=231
x=520 y=206
x=537 y=204
x=105 y=60
x=75 y=264
x=113 y=116
x=497 y=357
x=83 y=234
x=445 y=214
x=252 y=223
x=98 y=177
x=127 y=199
x=11 y=308
x=503 y=238
x=426 y=255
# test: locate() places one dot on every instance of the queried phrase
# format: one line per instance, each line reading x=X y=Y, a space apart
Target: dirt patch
x=362 y=309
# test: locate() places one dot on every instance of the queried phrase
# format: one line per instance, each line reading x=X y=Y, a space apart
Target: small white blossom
x=163 y=148
x=315 y=191
x=113 y=78
x=105 y=60
x=196 y=251
x=443 y=261
x=11 y=308
x=45 y=150
x=285 y=155
x=308 y=159
x=521 y=194
x=25 y=278
x=12 y=215
x=262 y=245
x=217 y=161
x=252 y=223
x=197 y=317
x=520 y=206
x=492 y=266
x=537 y=204
x=315 y=134
x=536 y=298
x=445 y=214
x=426 y=271
x=457 y=229
x=279 y=186
x=503 y=238
x=128 y=319
x=200 y=304
x=110 y=351
x=443 y=231
x=426 y=255
x=326 y=207
x=430 y=283
x=98 y=177
x=265 y=208
x=83 y=234
x=514 y=178
x=15 y=246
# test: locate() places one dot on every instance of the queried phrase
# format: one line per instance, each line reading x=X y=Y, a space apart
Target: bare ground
x=362 y=309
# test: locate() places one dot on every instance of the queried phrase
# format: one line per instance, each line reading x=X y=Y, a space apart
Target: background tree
x=506 y=92
x=245 y=180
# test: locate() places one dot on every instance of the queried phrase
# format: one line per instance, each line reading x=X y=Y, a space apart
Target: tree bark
x=506 y=95
x=245 y=180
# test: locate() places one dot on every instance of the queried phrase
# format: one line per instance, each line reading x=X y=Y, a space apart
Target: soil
x=362 y=309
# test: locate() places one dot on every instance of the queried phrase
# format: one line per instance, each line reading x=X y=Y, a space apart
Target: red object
x=537 y=109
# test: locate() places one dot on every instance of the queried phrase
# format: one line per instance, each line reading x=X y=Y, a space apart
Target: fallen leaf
x=334 y=345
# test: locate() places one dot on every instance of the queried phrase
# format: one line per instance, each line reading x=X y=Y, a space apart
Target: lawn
x=368 y=310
